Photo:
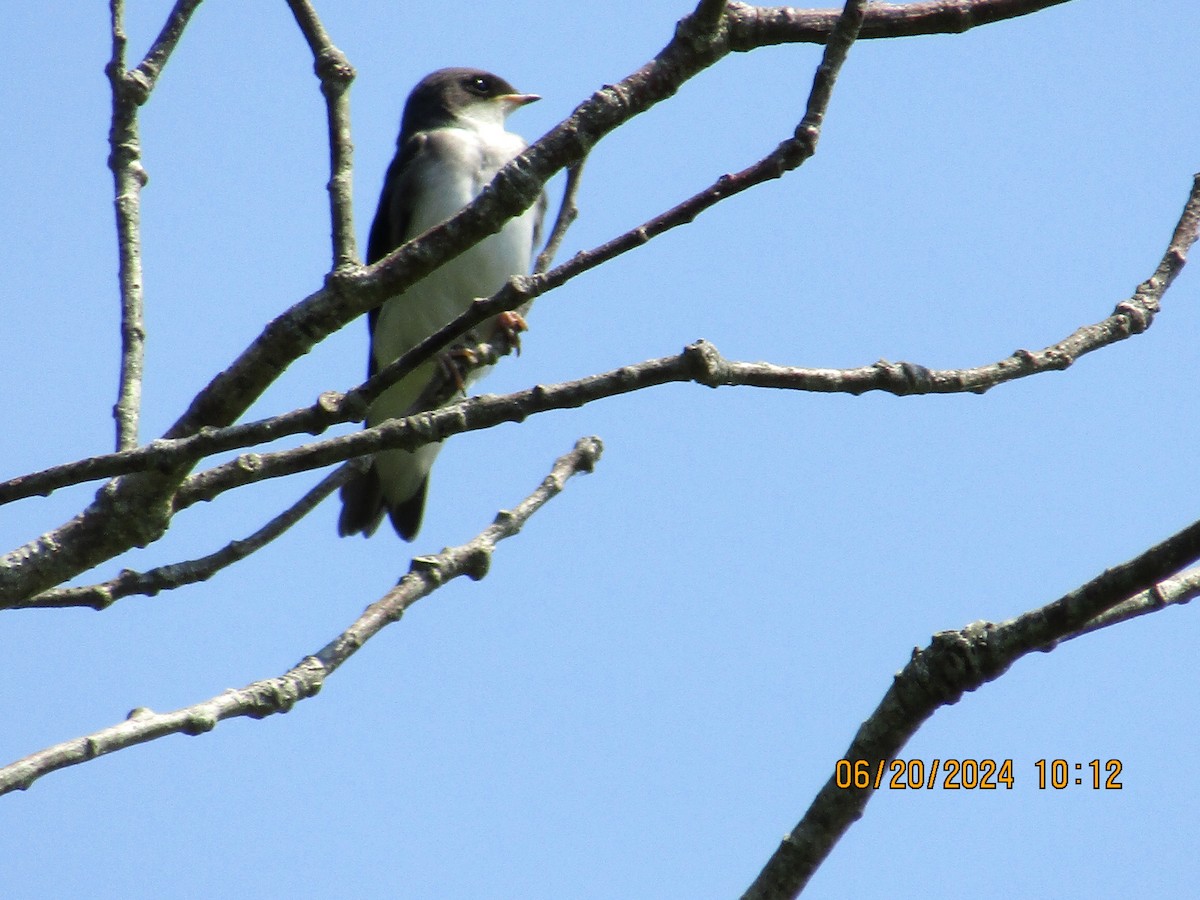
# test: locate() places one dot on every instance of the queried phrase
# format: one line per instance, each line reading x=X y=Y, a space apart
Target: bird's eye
x=478 y=85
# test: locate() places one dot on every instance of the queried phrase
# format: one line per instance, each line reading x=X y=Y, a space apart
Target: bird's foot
x=509 y=325
x=456 y=364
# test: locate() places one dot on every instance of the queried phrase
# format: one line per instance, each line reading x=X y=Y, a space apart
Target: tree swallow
x=452 y=143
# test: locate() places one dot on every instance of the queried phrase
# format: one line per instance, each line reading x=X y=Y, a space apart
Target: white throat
x=485 y=118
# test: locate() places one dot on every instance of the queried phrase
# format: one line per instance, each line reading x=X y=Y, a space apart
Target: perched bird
x=452 y=142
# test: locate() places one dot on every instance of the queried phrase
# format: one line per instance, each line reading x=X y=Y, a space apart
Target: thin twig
x=128 y=178
x=499 y=341
x=568 y=211
x=169 y=577
x=129 y=91
x=280 y=694
x=1175 y=591
x=164 y=45
x=335 y=74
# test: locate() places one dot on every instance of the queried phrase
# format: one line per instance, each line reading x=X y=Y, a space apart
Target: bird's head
x=467 y=97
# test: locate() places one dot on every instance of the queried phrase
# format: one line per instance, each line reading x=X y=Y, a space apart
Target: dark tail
x=363 y=506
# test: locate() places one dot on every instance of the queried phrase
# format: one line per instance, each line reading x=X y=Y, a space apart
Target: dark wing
x=392 y=218
x=539 y=225
x=363 y=505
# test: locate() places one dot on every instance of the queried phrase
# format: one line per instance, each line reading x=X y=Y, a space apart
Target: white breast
x=446 y=293
x=481 y=270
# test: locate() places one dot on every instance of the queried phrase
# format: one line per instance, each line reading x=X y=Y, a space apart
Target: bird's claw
x=510 y=325
x=456 y=363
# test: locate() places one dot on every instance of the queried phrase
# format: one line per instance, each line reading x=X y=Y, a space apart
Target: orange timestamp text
x=971 y=774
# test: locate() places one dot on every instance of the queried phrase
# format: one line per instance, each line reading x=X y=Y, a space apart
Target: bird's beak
x=515 y=101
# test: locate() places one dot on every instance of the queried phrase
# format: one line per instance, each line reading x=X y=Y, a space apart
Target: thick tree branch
x=276 y=695
x=957 y=662
x=708 y=13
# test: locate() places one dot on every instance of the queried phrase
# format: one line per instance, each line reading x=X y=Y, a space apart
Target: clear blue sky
x=661 y=670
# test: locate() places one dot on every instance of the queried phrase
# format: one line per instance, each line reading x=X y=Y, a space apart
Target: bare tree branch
x=708 y=13
x=567 y=213
x=954 y=663
x=128 y=177
x=280 y=694
x=169 y=577
x=164 y=454
x=129 y=91
x=164 y=45
x=1176 y=591
x=751 y=27
x=336 y=75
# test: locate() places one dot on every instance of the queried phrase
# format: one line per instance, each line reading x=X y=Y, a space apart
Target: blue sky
x=660 y=672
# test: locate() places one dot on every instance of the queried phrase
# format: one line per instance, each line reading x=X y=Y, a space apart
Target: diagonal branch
x=752 y=27
x=168 y=577
x=1174 y=591
x=280 y=694
x=954 y=663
